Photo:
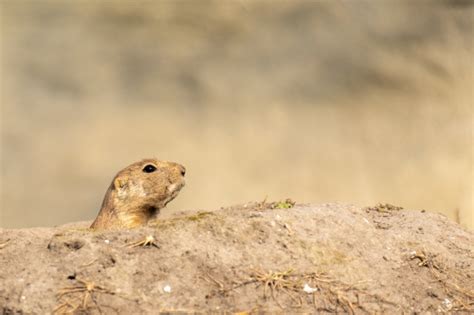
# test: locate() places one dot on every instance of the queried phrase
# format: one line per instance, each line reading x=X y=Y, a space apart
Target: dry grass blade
x=76 y=298
x=330 y=295
x=4 y=244
x=211 y=279
x=463 y=297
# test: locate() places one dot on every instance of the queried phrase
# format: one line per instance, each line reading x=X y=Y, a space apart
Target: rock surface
x=246 y=258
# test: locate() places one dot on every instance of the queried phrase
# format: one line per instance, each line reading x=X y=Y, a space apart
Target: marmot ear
x=120 y=182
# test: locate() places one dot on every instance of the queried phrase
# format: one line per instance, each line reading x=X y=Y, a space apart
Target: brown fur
x=134 y=196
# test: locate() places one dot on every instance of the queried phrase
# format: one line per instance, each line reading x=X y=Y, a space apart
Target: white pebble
x=448 y=304
x=167 y=288
x=309 y=289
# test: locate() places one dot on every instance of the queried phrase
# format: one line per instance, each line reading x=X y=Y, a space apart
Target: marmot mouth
x=173 y=189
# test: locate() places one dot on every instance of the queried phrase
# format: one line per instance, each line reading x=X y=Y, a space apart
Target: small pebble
x=447 y=304
x=309 y=289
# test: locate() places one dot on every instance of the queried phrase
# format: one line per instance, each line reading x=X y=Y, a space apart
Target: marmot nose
x=182 y=169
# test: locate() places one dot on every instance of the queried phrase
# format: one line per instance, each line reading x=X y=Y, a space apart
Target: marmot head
x=150 y=182
x=138 y=192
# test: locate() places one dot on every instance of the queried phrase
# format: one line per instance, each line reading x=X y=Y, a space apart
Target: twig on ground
x=148 y=241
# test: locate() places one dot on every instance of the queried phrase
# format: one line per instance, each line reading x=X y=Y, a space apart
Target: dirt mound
x=276 y=257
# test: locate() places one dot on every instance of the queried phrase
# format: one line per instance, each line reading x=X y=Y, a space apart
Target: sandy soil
x=272 y=257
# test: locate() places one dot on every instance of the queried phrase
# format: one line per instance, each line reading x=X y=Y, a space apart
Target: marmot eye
x=149 y=168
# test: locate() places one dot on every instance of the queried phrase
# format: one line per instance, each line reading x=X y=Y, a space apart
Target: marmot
x=138 y=192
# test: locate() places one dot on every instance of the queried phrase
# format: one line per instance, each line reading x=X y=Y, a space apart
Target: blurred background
x=320 y=101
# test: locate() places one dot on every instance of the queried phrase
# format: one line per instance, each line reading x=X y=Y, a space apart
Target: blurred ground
x=319 y=101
